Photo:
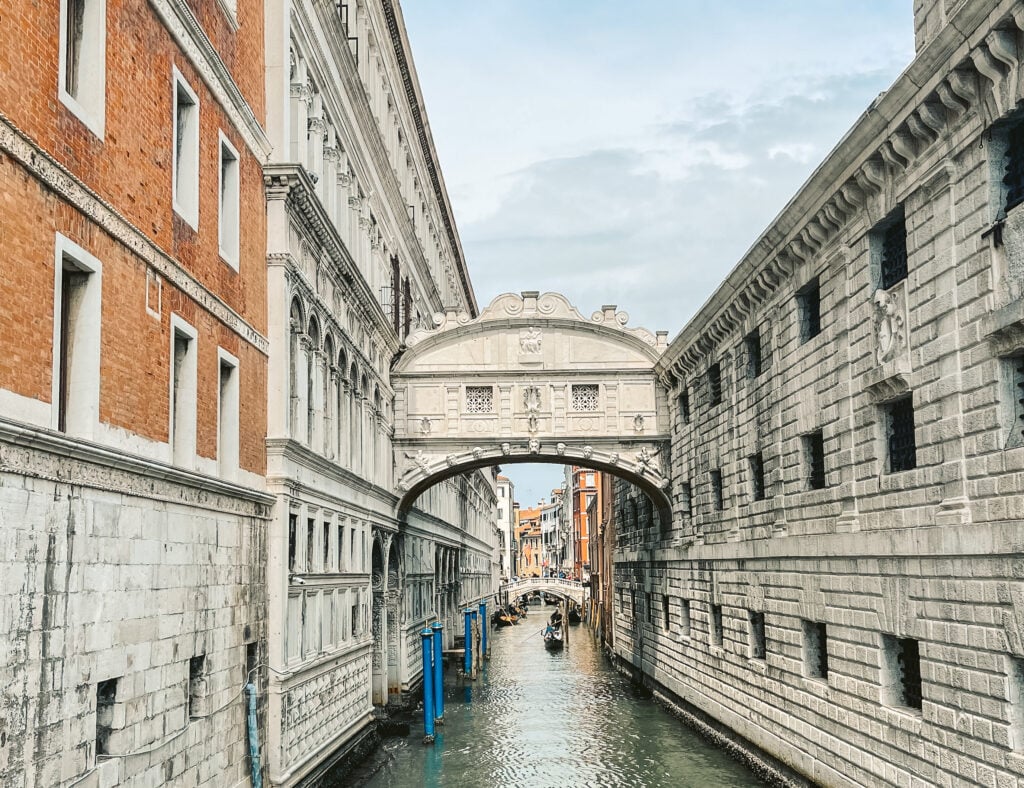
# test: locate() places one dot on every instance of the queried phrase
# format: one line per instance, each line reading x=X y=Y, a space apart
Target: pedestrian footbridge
x=567 y=589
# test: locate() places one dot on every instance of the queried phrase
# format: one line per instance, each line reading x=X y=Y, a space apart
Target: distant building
x=529 y=547
x=584 y=484
x=505 y=523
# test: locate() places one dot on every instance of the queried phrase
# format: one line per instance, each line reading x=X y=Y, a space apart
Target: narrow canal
x=553 y=719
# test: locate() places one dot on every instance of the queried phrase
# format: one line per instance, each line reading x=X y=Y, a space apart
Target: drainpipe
x=254 y=740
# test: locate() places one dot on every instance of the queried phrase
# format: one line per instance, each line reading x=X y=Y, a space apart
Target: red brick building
x=133 y=384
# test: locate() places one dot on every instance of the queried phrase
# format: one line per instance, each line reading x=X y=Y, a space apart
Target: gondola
x=574 y=615
x=553 y=638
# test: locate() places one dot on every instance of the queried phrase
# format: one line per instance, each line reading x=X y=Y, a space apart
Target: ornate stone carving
x=534 y=446
x=425 y=425
x=588 y=452
x=560 y=448
x=529 y=341
x=638 y=423
x=889 y=336
x=506 y=449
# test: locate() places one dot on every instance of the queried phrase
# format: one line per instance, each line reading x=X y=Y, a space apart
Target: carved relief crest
x=888 y=326
x=529 y=341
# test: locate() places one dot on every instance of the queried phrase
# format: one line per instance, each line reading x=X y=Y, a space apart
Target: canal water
x=553 y=719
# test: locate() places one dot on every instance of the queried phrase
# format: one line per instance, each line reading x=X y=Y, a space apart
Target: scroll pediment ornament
x=638 y=423
x=425 y=425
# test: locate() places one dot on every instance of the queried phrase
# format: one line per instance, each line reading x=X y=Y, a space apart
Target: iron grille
x=909 y=661
x=815 y=443
x=1014 y=177
x=687 y=498
x=894 y=254
x=1019 y=385
x=716 y=488
x=684 y=406
x=809 y=304
x=821 y=650
x=716 y=623
x=753 y=347
x=757 y=642
x=715 y=383
x=757 y=475
x=902 y=448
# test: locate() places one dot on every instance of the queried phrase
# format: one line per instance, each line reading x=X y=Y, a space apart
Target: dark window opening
x=106 y=697
x=648 y=608
x=752 y=343
x=814 y=453
x=684 y=406
x=1013 y=178
x=326 y=565
x=808 y=300
x=75 y=26
x=715 y=383
x=894 y=253
x=717 y=490
x=757 y=641
x=666 y=622
x=293 y=526
x=72 y=290
x=815 y=649
x=716 y=625
x=757 y=476
x=197 y=690
x=687 y=498
x=903 y=657
x=900 y=435
x=684 y=617
x=310 y=543
x=252 y=663
x=406 y=308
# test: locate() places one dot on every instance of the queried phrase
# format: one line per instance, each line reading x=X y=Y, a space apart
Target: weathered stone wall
x=109 y=574
x=737 y=608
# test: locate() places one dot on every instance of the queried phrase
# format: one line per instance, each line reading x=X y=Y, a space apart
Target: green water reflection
x=541 y=719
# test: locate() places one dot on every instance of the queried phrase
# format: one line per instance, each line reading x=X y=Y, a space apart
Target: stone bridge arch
x=531 y=380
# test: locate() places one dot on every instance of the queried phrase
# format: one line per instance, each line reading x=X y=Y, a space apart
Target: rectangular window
x=684 y=617
x=183 y=392
x=252 y=662
x=815 y=650
x=899 y=431
x=892 y=240
x=715 y=384
x=310 y=544
x=293 y=528
x=198 y=695
x=901 y=672
x=585 y=397
x=326 y=565
x=666 y=622
x=76 y=339
x=632 y=604
x=341 y=547
x=716 y=625
x=757 y=488
x=106 y=697
x=355 y=621
x=479 y=399
x=227 y=415
x=814 y=459
x=686 y=495
x=649 y=607
x=185 y=164
x=1013 y=172
x=228 y=204
x=717 y=490
x=83 y=58
x=757 y=641
x=808 y=300
x=684 y=406
x=752 y=345
x=1015 y=696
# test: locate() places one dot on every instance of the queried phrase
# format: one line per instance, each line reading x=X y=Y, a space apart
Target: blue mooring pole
x=483 y=629
x=428 y=687
x=467 y=662
x=438 y=674
x=476 y=645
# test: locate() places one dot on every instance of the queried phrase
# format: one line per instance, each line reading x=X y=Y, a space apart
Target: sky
x=630 y=153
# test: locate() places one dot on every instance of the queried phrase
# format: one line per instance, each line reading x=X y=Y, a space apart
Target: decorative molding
x=190 y=36
x=41 y=454
x=48 y=171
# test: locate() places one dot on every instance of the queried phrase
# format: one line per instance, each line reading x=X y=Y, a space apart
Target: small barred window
x=479 y=399
x=584 y=397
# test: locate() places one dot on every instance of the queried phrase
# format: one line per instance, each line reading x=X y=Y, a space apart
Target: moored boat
x=553 y=638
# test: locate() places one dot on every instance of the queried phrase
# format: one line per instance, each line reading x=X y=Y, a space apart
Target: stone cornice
x=52 y=174
x=414 y=96
x=43 y=454
x=892 y=140
x=292 y=183
x=371 y=140
x=190 y=36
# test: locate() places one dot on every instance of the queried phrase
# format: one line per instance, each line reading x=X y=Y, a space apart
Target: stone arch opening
x=378 y=579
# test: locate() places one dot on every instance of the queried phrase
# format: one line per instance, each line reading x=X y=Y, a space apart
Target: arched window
x=295 y=329
x=330 y=396
x=342 y=410
x=312 y=393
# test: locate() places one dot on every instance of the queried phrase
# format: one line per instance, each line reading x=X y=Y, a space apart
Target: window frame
x=91 y=110
x=228 y=456
x=188 y=210
x=230 y=253
x=809 y=328
x=183 y=454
